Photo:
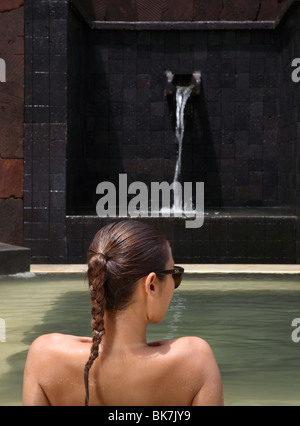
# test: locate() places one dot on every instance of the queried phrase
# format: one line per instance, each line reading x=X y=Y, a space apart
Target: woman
x=132 y=277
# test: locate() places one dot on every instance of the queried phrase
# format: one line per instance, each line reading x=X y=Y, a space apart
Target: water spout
x=182 y=87
x=184 y=80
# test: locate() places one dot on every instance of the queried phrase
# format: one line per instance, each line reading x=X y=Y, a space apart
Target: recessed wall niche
x=109 y=115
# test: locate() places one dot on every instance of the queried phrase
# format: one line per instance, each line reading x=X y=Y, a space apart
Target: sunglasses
x=177 y=274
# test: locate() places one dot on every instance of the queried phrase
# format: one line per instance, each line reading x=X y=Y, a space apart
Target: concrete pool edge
x=189 y=269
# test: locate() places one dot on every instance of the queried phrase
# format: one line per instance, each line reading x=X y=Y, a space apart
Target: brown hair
x=120 y=254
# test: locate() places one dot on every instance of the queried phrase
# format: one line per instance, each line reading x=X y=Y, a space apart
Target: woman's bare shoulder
x=193 y=348
x=59 y=350
x=192 y=361
x=185 y=344
x=193 y=351
x=51 y=359
x=56 y=347
x=200 y=365
x=57 y=340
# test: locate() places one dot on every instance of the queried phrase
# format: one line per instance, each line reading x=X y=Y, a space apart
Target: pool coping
x=189 y=269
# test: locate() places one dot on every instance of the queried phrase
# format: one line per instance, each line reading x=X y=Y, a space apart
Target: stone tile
x=11 y=178
x=238 y=10
x=121 y=11
x=175 y=12
x=7 y=5
x=207 y=10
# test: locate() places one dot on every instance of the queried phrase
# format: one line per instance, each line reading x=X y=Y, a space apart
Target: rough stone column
x=11 y=121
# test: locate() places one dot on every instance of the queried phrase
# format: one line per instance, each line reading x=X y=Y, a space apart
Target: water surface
x=246 y=320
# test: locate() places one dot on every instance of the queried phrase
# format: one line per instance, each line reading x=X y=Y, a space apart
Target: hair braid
x=96 y=277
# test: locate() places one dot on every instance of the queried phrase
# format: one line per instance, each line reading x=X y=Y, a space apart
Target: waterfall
x=182 y=96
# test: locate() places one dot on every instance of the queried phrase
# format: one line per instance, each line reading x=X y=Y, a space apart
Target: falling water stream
x=182 y=96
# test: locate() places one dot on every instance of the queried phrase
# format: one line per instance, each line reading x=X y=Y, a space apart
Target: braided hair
x=96 y=277
x=120 y=253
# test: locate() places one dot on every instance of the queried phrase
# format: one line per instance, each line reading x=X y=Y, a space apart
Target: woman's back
x=158 y=374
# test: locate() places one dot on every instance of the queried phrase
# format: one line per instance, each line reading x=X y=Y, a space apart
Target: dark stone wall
x=11 y=122
x=8 y=5
x=232 y=128
x=289 y=173
x=79 y=62
x=45 y=129
x=95 y=107
x=172 y=10
x=250 y=238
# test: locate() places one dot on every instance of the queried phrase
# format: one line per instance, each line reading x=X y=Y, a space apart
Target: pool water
x=246 y=320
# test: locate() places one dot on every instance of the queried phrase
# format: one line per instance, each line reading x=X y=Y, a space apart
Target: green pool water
x=246 y=320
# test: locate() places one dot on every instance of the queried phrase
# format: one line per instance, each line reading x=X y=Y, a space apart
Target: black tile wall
x=289 y=145
x=222 y=239
x=45 y=129
x=95 y=108
x=231 y=140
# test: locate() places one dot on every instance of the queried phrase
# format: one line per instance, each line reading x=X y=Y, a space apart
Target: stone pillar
x=11 y=121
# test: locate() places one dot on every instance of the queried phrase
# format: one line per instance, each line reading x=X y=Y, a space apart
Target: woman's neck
x=125 y=329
